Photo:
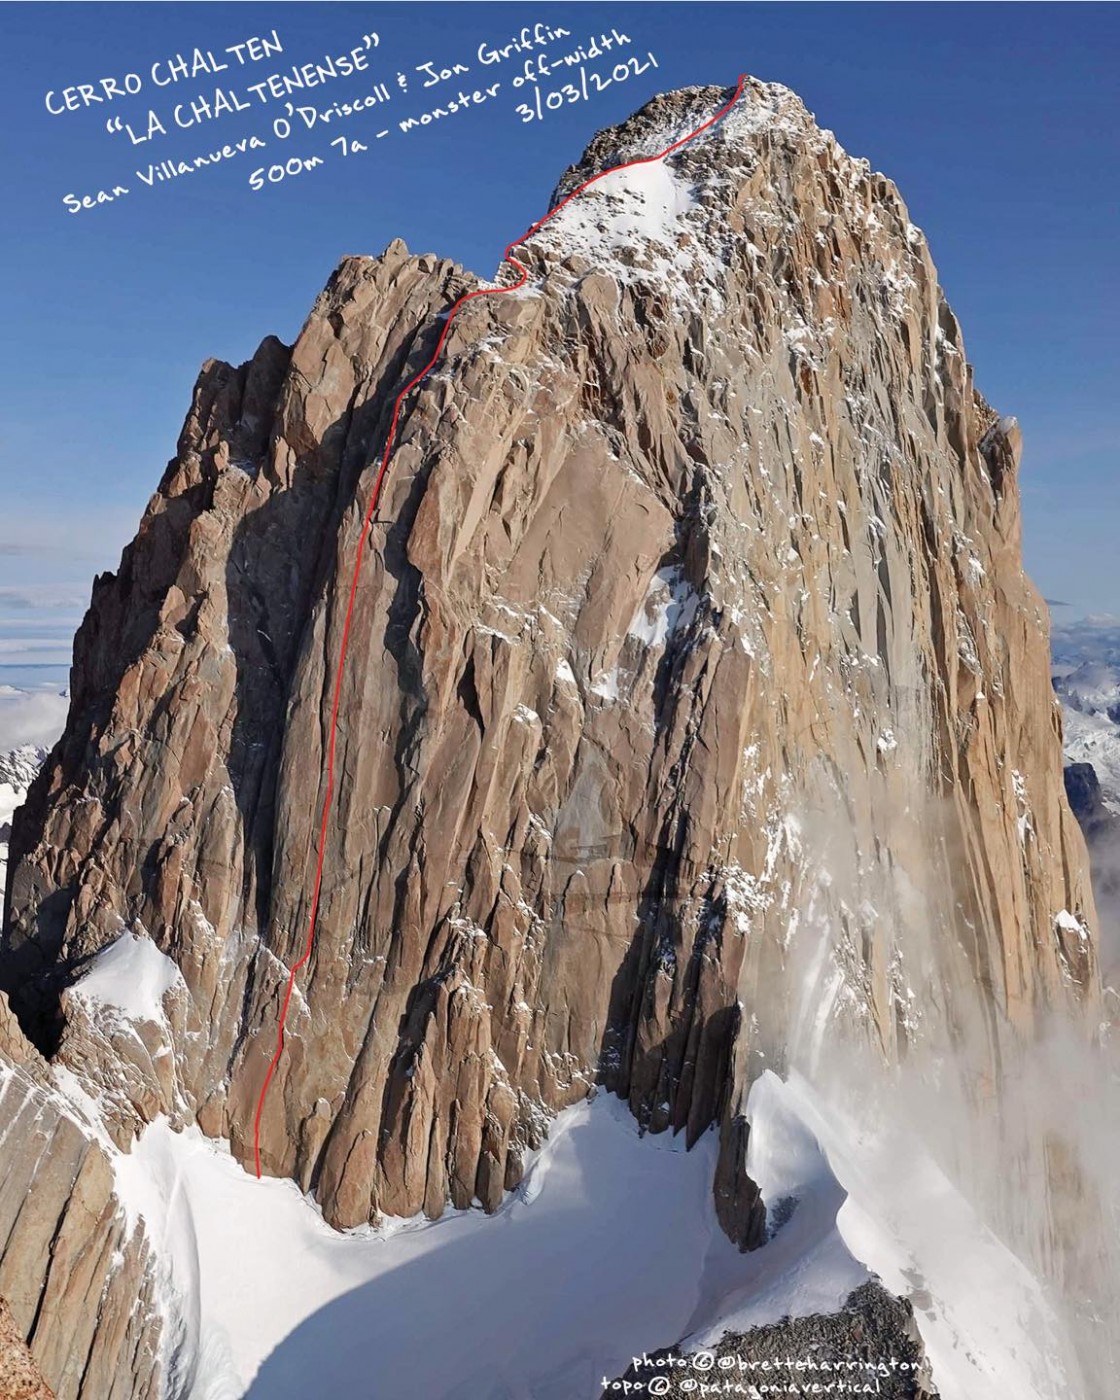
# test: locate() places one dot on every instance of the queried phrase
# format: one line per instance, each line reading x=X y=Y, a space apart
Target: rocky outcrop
x=869 y=1346
x=696 y=701
x=76 y=1274
x=20 y=1378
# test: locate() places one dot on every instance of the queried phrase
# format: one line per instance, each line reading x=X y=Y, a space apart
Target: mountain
x=695 y=723
x=30 y=721
x=17 y=768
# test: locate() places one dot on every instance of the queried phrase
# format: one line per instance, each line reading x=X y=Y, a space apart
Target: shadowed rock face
x=1083 y=789
x=692 y=673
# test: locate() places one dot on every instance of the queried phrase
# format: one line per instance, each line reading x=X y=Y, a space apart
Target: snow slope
x=129 y=977
x=988 y=1328
x=601 y=1254
x=639 y=207
x=806 y=1267
x=610 y=1248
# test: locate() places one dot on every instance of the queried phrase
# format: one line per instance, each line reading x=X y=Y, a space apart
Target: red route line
x=412 y=383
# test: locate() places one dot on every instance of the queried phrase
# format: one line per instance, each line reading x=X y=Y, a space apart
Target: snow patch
x=1070 y=923
x=130 y=977
x=638 y=205
x=605 y=684
x=745 y=896
x=669 y=606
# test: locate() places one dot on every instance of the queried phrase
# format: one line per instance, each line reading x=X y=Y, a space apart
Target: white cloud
x=30 y=717
x=78 y=540
x=51 y=596
x=13 y=649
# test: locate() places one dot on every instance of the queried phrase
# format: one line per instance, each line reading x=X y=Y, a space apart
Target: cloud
x=38 y=622
x=1092 y=638
x=55 y=596
x=17 y=646
x=77 y=539
x=30 y=717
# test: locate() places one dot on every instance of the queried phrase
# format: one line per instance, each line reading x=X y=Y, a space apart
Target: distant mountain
x=1086 y=672
x=17 y=768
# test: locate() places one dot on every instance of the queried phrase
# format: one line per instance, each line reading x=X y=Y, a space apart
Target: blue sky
x=998 y=123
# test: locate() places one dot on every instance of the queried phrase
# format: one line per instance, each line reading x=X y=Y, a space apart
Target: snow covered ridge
x=865 y=1197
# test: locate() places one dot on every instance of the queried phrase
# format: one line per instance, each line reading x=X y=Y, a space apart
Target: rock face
x=694 y=688
x=77 y=1277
